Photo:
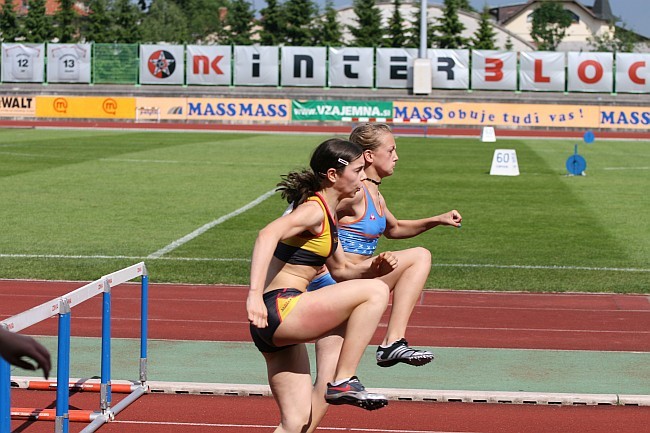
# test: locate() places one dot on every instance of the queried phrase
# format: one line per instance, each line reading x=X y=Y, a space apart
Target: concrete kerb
x=417 y=394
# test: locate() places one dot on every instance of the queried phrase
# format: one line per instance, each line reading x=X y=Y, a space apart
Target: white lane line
x=626 y=168
x=249 y=426
x=198 y=232
x=559 y=267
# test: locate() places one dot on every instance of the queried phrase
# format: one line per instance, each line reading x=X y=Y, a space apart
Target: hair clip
x=343 y=161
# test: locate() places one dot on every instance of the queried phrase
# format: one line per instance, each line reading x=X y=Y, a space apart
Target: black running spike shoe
x=354 y=393
x=400 y=351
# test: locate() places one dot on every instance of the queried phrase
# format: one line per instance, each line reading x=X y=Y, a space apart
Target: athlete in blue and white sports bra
x=357 y=237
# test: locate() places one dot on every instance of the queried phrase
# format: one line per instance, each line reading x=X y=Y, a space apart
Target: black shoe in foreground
x=400 y=351
x=353 y=392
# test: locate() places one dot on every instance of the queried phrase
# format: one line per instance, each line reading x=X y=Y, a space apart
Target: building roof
x=504 y=14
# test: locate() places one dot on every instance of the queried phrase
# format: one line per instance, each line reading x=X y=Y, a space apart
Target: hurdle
x=62 y=306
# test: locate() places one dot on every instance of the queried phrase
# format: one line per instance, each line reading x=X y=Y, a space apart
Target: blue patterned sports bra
x=361 y=236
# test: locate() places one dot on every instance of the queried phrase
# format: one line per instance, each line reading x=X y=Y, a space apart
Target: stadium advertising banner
x=494 y=70
x=625 y=117
x=208 y=65
x=23 y=63
x=395 y=67
x=542 y=71
x=215 y=109
x=590 y=72
x=68 y=63
x=304 y=66
x=351 y=67
x=341 y=110
x=82 y=107
x=509 y=115
x=450 y=68
x=256 y=65
x=161 y=64
x=17 y=106
x=633 y=73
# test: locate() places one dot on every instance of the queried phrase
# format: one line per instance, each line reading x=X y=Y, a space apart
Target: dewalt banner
x=82 y=107
x=17 y=106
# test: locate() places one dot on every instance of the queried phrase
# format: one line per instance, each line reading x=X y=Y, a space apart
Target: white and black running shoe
x=354 y=393
x=400 y=351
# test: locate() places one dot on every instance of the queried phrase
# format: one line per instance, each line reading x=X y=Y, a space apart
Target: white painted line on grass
x=626 y=168
x=198 y=232
x=236 y=259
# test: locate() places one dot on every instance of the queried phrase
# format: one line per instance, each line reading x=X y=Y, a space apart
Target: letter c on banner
x=493 y=69
x=582 y=72
x=633 y=72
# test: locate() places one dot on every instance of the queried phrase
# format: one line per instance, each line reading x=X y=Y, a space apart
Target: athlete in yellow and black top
x=307 y=249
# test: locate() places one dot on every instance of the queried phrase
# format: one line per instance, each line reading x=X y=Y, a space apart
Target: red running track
x=611 y=322
x=442 y=318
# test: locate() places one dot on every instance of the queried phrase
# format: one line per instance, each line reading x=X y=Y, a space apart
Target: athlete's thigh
x=290 y=380
x=316 y=313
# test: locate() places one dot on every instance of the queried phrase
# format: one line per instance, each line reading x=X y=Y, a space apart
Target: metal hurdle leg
x=105 y=387
x=5 y=396
x=144 y=318
x=63 y=369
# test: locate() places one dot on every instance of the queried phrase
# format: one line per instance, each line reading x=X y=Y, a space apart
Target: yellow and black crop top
x=308 y=248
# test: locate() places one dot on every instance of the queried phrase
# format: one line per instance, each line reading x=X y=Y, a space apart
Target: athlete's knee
x=297 y=422
x=380 y=292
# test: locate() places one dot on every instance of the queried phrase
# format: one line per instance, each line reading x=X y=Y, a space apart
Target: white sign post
x=488 y=135
x=504 y=163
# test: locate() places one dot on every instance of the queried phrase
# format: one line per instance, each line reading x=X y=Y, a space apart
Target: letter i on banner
x=504 y=163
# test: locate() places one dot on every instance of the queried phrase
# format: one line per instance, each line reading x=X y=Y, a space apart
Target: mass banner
x=208 y=65
x=304 y=66
x=68 y=63
x=351 y=67
x=161 y=64
x=450 y=68
x=23 y=63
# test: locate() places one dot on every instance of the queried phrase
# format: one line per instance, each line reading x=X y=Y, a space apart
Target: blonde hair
x=367 y=135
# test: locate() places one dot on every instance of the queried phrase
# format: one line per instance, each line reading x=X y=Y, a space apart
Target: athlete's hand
x=14 y=348
x=384 y=263
x=451 y=218
x=256 y=309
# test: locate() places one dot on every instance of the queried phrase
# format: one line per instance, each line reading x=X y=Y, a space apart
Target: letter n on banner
x=494 y=70
x=208 y=64
x=304 y=66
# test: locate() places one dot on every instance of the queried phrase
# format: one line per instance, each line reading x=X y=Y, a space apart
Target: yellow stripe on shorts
x=285 y=305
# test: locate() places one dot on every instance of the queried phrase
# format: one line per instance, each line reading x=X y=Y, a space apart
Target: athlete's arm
x=342 y=269
x=308 y=216
x=401 y=229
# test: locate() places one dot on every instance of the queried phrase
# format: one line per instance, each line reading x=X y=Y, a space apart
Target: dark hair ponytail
x=298 y=186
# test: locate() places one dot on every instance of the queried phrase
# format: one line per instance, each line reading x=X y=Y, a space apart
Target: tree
x=616 y=40
x=66 y=20
x=203 y=17
x=464 y=5
x=509 y=45
x=126 y=18
x=164 y=22
x=368 y=32
x=413 y=36
x=396 y=37
x=299 y=17
x=9 y=28
x=449 y=31
x=485 y=37
x=38 y=26
x=549 y=26
x=329 y=30
x=239 y=23
x=272 y=24
x=98 y=23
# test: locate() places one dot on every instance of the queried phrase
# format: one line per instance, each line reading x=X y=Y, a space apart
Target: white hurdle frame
x=62 y=307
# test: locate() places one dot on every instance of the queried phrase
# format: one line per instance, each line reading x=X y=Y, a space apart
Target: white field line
x=235 y=259
x=626 y=168
x=246 y=427
x=198 y=232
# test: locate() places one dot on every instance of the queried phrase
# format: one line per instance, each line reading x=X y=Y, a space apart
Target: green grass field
x=76 y=205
